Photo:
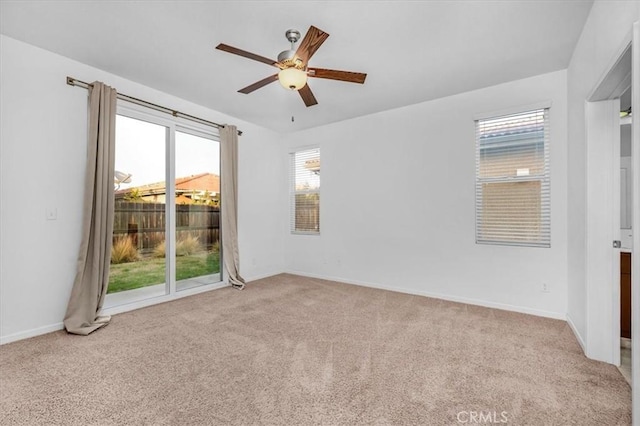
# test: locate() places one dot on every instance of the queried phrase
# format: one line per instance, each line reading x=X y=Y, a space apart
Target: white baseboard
x=144 y=303
x=261 y=276
x=468 y=301
x=113 y=311
x=31 y=333
x=577 y=334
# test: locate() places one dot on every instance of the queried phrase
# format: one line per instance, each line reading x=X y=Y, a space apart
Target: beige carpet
x=299 y=351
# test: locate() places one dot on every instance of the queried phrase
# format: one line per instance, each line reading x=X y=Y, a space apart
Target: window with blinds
x=305 y=191
x=512 y=180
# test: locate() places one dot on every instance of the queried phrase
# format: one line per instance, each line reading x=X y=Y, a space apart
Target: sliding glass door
x=138 y=264
x=197 y=207
x=167 y=218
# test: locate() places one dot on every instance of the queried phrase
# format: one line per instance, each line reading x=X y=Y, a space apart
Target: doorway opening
x=626 y=233
x=610 y=212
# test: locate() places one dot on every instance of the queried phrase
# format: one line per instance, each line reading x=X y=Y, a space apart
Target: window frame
x=293 y=192
x=544 y=236
x=113 y=302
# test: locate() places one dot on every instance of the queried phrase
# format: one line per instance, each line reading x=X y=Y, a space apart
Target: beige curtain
x=92 y=274
x=229 y=204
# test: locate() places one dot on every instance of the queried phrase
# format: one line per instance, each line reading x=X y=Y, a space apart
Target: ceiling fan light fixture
x=293 y=65
x=292 y=78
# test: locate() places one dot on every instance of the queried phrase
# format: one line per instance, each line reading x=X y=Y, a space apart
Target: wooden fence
x=145 y=223
x=307 y=212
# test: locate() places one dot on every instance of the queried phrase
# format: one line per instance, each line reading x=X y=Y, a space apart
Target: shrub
x=123 y=251
x=187 y=246
x=158 y=251
x=184 y=247
x=215 y=248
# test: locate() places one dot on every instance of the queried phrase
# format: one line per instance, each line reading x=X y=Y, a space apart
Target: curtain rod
x=79 y=83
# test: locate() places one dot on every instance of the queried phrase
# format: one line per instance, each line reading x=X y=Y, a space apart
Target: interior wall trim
x=468 y=301
x=21 y=335
x=577 y=334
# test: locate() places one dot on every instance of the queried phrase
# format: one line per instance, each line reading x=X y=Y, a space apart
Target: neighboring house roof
x=201 y=182
x=313 y=165
x=196 y=183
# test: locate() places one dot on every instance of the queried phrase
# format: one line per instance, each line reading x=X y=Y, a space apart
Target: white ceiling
x=412 y=51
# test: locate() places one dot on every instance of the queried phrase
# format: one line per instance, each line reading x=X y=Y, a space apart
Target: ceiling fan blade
x=259 y=84
x=312 y=40
x=350 y=76
x=307 y=96
x=245 y=54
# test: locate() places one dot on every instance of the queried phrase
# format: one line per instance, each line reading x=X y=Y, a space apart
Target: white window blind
x=305 y=191
x=512 y=180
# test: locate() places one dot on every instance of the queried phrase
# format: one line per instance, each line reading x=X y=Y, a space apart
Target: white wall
x=397 y=204
x=386 y=179
x=604 y=35
x=42 y=158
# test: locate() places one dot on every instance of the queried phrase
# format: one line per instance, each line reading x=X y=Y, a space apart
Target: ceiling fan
x=293 y=65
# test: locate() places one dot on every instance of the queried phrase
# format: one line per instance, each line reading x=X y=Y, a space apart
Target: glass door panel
x=138 y=262
x=197 y=207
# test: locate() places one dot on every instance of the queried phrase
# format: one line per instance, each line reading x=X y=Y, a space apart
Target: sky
x=140 y=151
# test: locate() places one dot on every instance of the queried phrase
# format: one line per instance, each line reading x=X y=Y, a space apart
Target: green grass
x=151 y=271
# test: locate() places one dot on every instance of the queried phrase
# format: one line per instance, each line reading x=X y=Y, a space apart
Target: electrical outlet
x=545 y=288
x=51 y=213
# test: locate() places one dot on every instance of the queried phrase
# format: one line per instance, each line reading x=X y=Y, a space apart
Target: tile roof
x=201 y=182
